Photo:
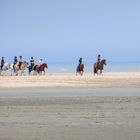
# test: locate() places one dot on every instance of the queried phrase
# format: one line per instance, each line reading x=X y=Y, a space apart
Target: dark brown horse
x=41 y=68
x=99 y=66
x=80 y=69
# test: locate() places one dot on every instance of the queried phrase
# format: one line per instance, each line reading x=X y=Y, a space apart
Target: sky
x=64 y=30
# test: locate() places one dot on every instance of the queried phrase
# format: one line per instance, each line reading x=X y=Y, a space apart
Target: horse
x=5 y=67
x=41 y=68
x=30 y=69
x=80 y=69
x=22 y=68
x=99 y=66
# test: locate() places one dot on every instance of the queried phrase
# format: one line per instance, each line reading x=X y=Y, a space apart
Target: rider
x=20 y=61
x=80 y=62
x=2 y=62
x=40 y=62
x=15 y=60
x=32 y=63
x=98 y=58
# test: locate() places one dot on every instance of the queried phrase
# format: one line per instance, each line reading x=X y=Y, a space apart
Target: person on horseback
x=15 y=60
x=32 y=63
x=20 y=62
x=2 y=62
x=40 y=62
x=98 y=58
x=80 y=62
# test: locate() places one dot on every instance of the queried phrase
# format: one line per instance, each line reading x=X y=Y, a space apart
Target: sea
x=70 y=67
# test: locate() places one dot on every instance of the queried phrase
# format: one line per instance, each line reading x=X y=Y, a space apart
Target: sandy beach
x=120 y=79
x=69 y=107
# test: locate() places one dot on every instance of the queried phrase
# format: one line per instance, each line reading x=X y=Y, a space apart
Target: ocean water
x=70 y=67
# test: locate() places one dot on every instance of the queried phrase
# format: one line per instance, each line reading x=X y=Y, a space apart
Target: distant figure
x=15 y=60
x=80 y=62
x=98 y=58
x=99 y=67
x=40 y=62
x=32 y=63
x=2 y=62
x=20 y=62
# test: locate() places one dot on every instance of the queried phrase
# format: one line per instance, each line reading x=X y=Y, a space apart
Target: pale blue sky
x=64 y=30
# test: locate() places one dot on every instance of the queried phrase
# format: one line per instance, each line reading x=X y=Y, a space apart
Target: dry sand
x=66 y=107
x=122 y=79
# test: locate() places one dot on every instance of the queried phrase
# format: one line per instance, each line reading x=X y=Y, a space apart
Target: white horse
x=5 y=67
x=12 y=69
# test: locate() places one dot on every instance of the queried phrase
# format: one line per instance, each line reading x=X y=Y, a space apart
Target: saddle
x=97 y=65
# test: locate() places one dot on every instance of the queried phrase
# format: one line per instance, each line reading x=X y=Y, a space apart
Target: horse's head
x=46 y=66
x=26 y=63
x=103 y=61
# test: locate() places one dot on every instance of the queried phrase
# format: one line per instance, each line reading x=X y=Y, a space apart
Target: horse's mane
x=103 y=60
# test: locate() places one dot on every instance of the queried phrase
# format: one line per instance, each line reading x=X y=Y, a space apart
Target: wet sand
x=70 y=107
x=70 y=113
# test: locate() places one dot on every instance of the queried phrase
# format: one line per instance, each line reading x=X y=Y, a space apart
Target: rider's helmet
x=32 y=58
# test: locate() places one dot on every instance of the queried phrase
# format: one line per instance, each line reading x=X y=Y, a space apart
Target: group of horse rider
x=98 y=60
x=32 y=61
x=20 y=61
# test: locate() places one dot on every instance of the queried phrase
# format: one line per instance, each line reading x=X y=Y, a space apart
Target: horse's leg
x=11 y=72
x=97 y=72
x=76 y=71
x=4 y=73
x=93 y=70
x=22 y=72
x=28 y=71
x=16 y=72
x=100 y=72
x=1 y=73
x=35 y=72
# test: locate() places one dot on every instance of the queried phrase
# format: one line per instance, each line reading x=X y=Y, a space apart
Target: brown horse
x=80 y=69
x=41 y=68
x=99 y=66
